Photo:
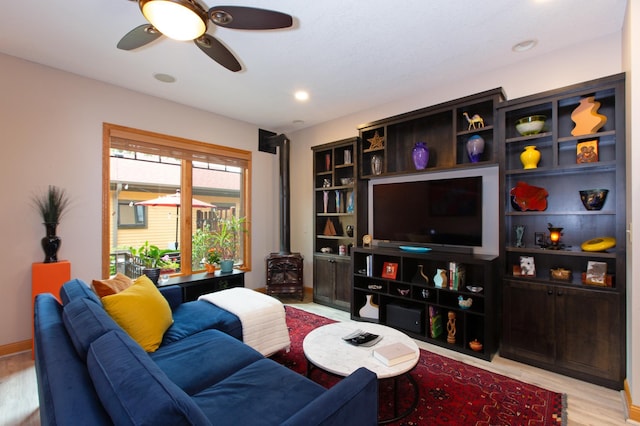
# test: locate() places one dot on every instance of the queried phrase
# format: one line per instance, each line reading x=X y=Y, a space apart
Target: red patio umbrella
x=174 y=200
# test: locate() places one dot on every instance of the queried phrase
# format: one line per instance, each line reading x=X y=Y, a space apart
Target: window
x=131 y=215
x=172 y=193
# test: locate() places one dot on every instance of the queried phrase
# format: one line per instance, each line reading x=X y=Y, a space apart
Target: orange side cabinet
x=48 y=278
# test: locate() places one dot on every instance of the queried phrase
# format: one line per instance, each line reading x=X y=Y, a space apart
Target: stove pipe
x=268 y=142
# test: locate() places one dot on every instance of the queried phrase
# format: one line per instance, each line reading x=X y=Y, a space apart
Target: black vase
x=51 y=243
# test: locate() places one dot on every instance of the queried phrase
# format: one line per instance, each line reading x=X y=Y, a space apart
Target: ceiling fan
x=188 y=19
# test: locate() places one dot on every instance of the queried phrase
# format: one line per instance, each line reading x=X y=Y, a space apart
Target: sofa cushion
x=85 y=321
x=211 y=356
x=113 y=285
x=65 y=390
x=191 y=317
x=263 y=393
x=141 y=311
x=77 y=289
x=133 y=389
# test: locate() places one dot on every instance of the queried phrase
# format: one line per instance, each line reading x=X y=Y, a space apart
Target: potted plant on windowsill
x=226 y=241
x=148 y=256
x=212 y=259
x=51 y=205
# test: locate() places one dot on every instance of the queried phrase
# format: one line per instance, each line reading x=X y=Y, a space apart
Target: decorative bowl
x=530 y=125
x=528 y=197
x=475 y=345
x=593 y=199
x=560 y=274
x=346 y=181
x=474 y=288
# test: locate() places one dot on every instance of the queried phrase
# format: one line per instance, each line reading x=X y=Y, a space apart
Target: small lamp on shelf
x=554 y=236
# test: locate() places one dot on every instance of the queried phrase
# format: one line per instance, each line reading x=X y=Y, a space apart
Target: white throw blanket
x=264 y=325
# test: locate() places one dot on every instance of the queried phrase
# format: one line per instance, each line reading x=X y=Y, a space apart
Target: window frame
x=196 y=149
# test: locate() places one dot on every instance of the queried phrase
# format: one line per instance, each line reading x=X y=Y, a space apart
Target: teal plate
x=415 y=249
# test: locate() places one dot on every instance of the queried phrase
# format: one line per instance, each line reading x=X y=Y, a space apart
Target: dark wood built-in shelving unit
x=443 y=128
x=565 y=325
x=346 y=207
x=411 y=293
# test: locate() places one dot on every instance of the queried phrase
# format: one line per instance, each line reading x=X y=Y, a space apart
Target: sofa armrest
x=173 y=294
x=352 y=401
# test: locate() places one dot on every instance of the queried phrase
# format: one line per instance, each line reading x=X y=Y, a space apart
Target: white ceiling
x=349 y=54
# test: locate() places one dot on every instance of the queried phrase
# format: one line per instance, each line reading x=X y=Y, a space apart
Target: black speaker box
x=405 y=318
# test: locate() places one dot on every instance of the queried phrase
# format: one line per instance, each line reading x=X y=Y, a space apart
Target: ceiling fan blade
x=138 y=37
x=248 y=18
x=218 y=52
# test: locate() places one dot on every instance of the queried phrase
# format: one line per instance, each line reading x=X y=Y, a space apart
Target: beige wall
x=51 y=125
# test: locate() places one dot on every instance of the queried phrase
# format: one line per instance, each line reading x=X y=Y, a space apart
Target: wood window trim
x=199 y=151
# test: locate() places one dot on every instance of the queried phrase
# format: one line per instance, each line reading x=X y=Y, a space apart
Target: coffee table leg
x=414 y=404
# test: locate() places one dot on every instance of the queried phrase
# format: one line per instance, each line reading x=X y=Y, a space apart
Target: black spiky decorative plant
x=51 y=205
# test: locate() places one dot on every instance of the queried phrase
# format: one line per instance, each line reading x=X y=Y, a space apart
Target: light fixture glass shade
x=176 y=19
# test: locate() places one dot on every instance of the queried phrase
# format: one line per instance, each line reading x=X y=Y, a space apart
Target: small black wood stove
x=284 y=269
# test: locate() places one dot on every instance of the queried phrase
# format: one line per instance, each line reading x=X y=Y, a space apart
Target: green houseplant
x=226 y=240
x=51 y=205
x=149 y=257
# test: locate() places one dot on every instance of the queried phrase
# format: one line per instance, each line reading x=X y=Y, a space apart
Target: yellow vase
x=530 y=157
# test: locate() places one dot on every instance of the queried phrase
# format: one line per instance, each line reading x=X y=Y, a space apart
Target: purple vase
x=420 y=155
x=475 y=148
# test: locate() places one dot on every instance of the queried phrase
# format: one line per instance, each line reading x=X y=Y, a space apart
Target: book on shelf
x=435 y=322
x=456 y=276
x=369 y=260
x=394 y=353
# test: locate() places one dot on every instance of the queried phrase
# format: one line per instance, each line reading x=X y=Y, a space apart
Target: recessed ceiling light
x=298 y=122
x=165 y=78
x=524 y=45
x=301 y=95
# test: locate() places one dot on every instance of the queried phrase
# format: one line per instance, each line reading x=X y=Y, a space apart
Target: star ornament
x=377 y=141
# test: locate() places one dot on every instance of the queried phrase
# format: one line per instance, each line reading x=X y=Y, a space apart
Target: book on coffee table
x=393 y=354
x=362 y=338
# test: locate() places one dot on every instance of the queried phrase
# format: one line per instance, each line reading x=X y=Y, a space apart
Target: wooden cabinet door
x=529 y=322
x=323 y=279
x=589 y=332
x=343 y=282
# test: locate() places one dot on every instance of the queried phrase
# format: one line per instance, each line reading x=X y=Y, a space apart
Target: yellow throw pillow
x=141 y=311
x=112 y=285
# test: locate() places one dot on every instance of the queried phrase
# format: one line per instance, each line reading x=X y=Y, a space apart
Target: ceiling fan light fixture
x=176 y=19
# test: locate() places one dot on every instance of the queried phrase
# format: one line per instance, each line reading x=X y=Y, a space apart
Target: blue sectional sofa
x=90 y=371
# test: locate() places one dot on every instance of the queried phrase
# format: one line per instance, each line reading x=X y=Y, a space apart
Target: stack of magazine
x=362 y=338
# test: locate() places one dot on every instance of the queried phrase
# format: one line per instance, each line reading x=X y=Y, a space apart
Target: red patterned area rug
x=451 y=392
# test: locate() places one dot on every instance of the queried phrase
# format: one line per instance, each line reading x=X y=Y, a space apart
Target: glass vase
x=376 y=165
x=475 y=148
x=420 y=155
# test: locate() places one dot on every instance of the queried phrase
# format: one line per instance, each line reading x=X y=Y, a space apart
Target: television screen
x=433 y=212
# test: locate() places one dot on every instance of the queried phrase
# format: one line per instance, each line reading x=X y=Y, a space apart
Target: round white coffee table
x=324 y=348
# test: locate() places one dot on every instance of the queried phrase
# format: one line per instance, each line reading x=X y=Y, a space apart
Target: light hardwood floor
x=588 y=404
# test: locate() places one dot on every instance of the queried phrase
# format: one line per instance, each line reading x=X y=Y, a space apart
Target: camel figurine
x=476 y=119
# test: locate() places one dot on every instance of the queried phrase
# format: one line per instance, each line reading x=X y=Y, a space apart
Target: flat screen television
x=429 y=213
